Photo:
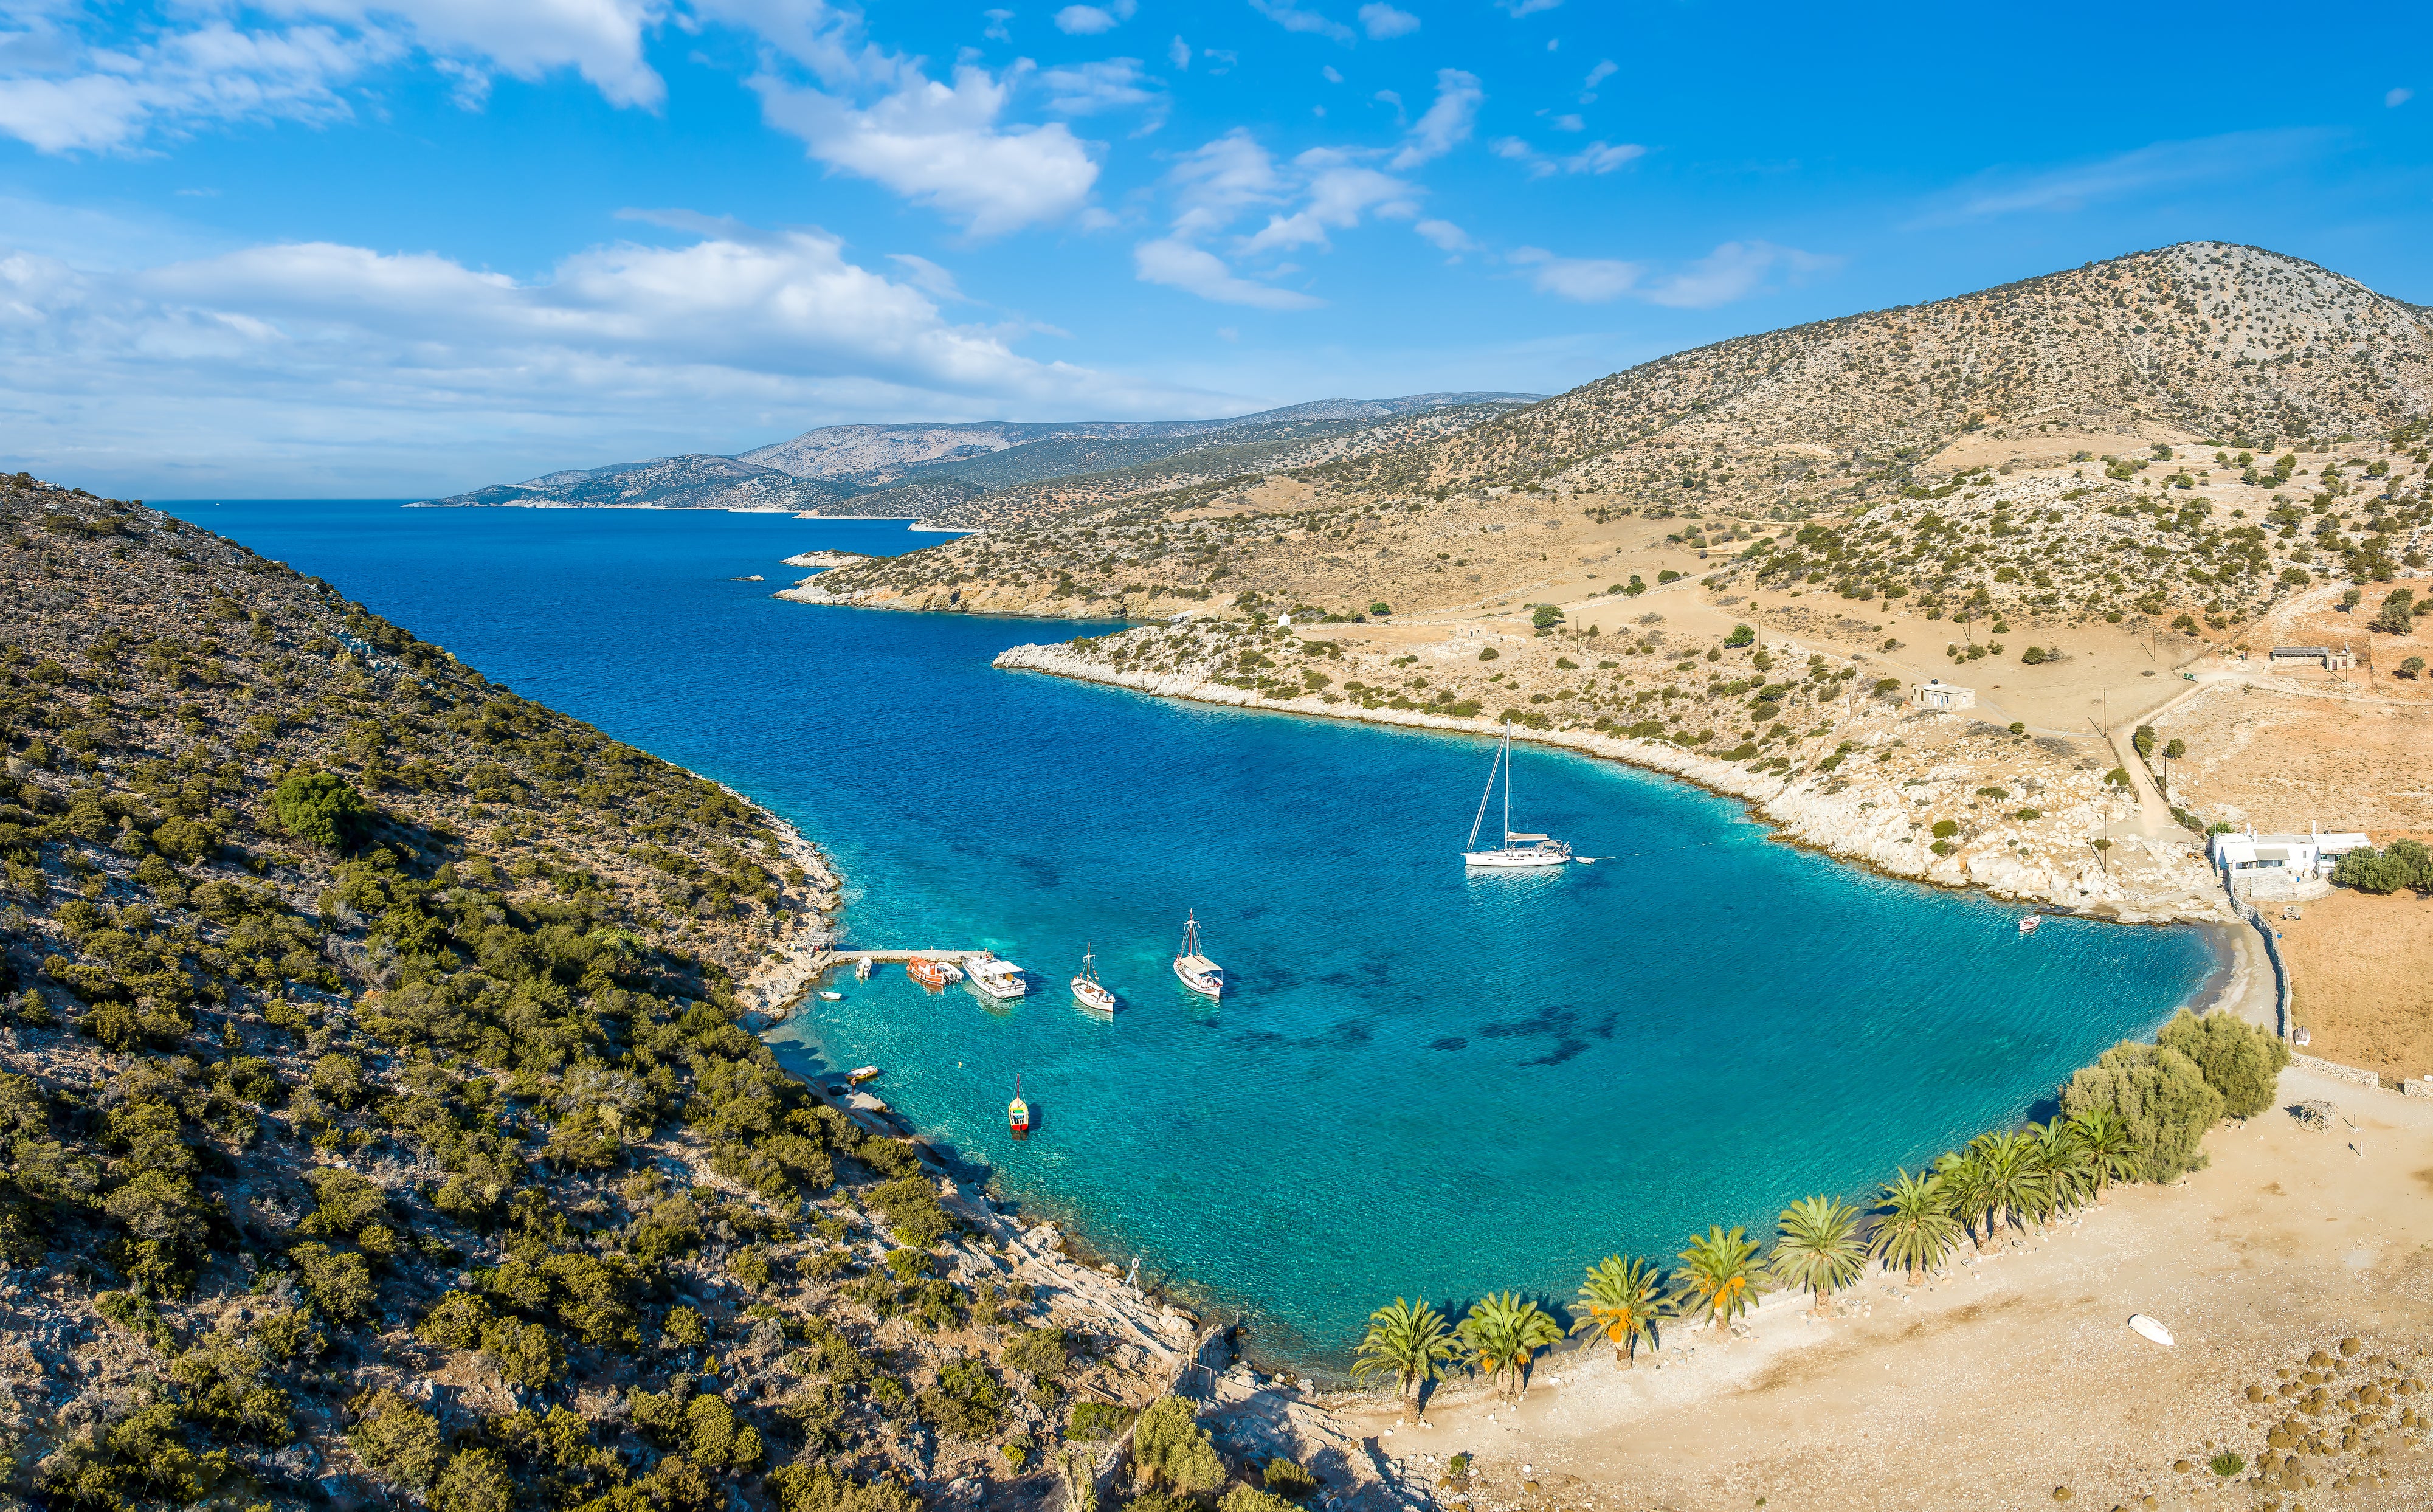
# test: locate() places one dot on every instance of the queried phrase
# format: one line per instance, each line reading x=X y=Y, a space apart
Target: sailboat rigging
x=1519 y=850
x=1087 y=989
x=1196 y=971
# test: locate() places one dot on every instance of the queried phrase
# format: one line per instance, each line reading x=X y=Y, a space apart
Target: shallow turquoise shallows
x=1420 y=1082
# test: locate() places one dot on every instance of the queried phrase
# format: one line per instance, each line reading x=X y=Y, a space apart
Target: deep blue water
x=1422 y=1081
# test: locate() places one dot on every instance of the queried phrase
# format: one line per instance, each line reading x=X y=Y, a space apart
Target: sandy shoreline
x=2013 y=1374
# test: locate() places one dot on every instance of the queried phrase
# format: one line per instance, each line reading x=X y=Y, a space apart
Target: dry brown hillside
x=380 y=1119
x=2203 y=339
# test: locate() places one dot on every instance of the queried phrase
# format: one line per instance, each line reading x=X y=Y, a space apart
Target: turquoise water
x=1421 y=1081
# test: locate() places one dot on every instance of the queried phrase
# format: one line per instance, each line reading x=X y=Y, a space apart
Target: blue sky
x=330 y=246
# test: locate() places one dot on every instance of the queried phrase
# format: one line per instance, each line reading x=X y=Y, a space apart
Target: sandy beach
x=2011 y=1376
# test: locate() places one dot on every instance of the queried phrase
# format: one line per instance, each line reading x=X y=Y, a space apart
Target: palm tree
x=1818 y=1247
x=1408 y=1341
x=2061 y=1159
x=2013 y=1184
x=1720 y=1274
x=1502 y=1333
x=1622 y=1299
x=1963 y=1188
x=2105 y=1139
x=1916 y=1228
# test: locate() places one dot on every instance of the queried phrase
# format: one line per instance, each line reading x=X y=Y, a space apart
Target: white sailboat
x=1519 y=850
x=1196 y=971
x=1088 y=989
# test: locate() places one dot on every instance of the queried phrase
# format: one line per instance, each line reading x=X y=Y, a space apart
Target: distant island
x=952 y=474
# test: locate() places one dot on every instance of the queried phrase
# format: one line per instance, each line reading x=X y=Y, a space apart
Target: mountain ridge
x=823 y=468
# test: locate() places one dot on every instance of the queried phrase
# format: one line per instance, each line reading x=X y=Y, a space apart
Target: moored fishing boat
x=1017 y=1113
x=998 y=979
x=833 y=997
x=861 y=970
x=931 y=973
x=2028 y=924
x=1087 y=989
x=1519 y=852
x=1194 y=970
x=862 y=1074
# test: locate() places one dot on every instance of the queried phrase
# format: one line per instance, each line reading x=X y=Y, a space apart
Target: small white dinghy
x=833 y=997
x=2147 y=1328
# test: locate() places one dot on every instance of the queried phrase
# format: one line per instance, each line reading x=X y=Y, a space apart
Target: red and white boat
x=1194 y=970
x=932 y=973
x=1017 y=1113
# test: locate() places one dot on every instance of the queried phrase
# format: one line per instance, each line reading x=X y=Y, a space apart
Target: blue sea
x=1421 y=1082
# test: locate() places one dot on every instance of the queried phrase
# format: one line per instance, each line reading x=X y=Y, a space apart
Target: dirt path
x=2013 y=1376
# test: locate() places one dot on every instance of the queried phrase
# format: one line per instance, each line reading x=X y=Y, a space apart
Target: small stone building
x=1935 y=694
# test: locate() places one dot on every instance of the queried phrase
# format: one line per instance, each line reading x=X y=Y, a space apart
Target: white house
x=1937 y=694
x=2312 y=854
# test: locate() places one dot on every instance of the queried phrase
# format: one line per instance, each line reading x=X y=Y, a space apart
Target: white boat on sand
x=1196 y=971
x=1519 y=851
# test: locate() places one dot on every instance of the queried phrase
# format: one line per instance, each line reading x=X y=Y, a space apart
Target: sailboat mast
x=1507 y=790
x=1487 y=797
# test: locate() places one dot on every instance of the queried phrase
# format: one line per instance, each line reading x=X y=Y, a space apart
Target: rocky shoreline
x=1860 y=819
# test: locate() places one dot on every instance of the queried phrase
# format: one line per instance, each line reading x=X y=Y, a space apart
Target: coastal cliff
x=1896 y=775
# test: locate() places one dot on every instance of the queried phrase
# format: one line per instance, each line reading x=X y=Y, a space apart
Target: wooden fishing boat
x=1194 y=970
x=1017 y=1113
x=863 y=970
x=932 y=973
x=1087 y=989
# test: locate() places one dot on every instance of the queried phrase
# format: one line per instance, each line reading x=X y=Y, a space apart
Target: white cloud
x=1178 y=52
x=1084 y=88
x=2165 y=166
x=926 y=275
x=1526 y=7
x=320 y=364
x=1089 y=21
x=73 y=80
x=1384 y=23
x=1585 y=279
x=942 y=147
x=1219 y=178
x=1512 y=149
x=1292 y=18
x=601 y=40
x=1568 y=123
x=59 y=94
x=997 y=30
x=2398 y=97
x=1600 y=157
x=1448 y=123
x=1339 y=194
x=1446 y=235
x=1195 y=270
x=1604 y=69
x=1330 y=73
x=1732 y=271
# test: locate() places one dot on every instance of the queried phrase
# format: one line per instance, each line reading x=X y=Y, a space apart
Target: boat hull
x=1092 y=995
x=1210 y=987
x=1513 y=861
